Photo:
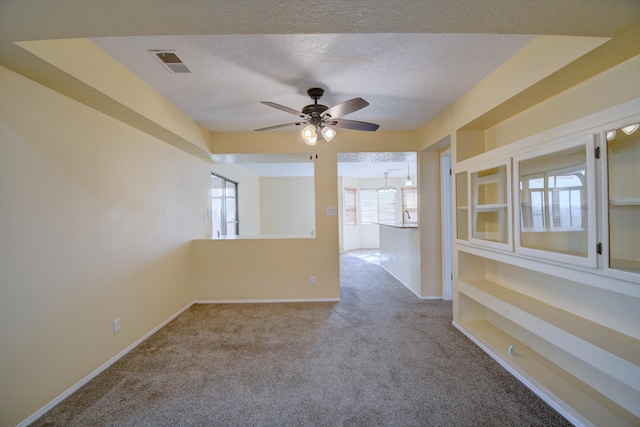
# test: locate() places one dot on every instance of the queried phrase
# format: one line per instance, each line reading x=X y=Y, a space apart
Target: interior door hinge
x=599 y=248
x=449 y=172
x=596 y=152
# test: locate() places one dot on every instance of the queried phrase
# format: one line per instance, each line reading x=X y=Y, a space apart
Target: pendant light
x=408 y=182
x=386 y=186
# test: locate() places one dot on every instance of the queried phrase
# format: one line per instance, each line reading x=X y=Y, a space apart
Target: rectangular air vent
x=171 y=61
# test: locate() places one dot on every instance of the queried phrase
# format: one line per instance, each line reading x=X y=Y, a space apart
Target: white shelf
x=625 y=202
x=573 y=317
x=490 y=207
x=577 y=401
x=602 y=350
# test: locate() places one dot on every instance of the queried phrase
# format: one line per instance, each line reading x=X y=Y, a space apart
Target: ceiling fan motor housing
x=314 y=110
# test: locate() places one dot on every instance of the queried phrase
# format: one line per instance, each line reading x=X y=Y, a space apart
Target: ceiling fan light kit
x=328 y=133
x=319 y=119
x=310 y=135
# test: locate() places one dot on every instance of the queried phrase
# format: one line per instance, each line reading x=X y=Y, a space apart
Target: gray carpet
x=379 y=357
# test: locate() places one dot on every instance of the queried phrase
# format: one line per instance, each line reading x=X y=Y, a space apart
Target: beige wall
x=146 y=109
x=430 y=231
x=287 y=206
x=613 y=87
x=95 y=223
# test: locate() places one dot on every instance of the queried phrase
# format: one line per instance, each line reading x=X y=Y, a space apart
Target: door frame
x=446 y=229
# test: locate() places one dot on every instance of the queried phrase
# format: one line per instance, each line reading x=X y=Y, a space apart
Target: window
x=350 y=217
x=387 y=206
x=369 y=205
x=378 y=206
x=623 y=155
x=224 y=206
x=410 y=204
x=554 y=204
x=554 y=199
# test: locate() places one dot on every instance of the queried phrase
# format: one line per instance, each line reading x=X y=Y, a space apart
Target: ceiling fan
x=319 y=119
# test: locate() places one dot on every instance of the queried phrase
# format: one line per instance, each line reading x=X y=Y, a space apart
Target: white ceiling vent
x=171 y=61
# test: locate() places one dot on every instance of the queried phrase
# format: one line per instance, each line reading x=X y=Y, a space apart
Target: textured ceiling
x=409 y=59
x=408 y=79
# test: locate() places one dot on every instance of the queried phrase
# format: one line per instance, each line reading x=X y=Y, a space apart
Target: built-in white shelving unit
x=559 y=306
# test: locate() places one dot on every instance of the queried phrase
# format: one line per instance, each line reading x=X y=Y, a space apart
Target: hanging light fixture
x=611 y=134
x=386 y=186
x=311 y=133
x=408 y=182
x=631 y=128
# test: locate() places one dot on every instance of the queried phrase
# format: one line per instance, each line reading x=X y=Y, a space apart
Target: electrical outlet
x=312 y=281
x=116 y=326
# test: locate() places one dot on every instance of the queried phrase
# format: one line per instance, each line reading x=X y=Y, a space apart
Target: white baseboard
x=264 y=301
x=522 y=378
x=46 y=408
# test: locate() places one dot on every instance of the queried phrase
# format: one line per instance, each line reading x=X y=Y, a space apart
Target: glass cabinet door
x=462 y=206
x=623 y=160
x=555 y=192
x=490 y=219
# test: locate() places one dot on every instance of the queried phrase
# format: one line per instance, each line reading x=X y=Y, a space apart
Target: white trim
x=554 y=147
x=264 y=301
x=46 y=408
x=494 y=163
x=446 y=228
x=520 y=377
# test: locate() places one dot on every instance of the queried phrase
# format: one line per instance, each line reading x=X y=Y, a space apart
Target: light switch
x=331 y=211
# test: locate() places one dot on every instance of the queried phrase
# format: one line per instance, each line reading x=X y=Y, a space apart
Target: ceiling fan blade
x=285 y=109
x=279 y=126
x=345 y=108
x=353 y=124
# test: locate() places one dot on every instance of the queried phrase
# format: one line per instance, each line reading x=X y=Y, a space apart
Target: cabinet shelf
x=618 y=354
x=579 y=402
x=547 y=259
x=602 y=357
x=490 y=207
x=565 y=346
x=624 y=202
x=490 y=199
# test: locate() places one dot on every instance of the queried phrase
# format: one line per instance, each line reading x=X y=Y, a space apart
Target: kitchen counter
x=400 y=253
x=400 y=225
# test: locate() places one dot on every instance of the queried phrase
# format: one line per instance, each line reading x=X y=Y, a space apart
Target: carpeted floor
x=379 y=357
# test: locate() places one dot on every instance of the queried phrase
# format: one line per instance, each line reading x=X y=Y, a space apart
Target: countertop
x=400 y=225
